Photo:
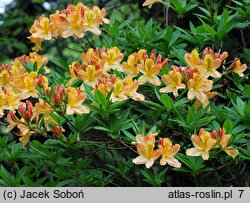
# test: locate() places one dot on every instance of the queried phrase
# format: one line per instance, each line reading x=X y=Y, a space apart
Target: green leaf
x=228 y=125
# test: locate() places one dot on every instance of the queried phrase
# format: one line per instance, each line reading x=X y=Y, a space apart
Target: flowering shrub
x=99 y=112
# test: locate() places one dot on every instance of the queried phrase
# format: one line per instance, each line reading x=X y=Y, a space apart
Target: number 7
x=241 y=192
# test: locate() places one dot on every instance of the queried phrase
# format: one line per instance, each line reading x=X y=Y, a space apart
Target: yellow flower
x=112 y=58
x=25 y=85
x=90 y=76
x=223 y=140
x=44 y=108
x=150 y=70
x=41 y=28
x=149 y=3
x=131 y=88
x=173 y=82
x=168 y=151
x=203 y=143
x=209 y=65
x=25 y=134
x=238 y=68
x=193 y=59
x=130 y=66
x=210 y=95
x=145 y=147
x=198 y=87
x=119 y=91
x=75 y=100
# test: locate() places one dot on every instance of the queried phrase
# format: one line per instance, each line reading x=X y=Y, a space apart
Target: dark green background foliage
x=220 y=24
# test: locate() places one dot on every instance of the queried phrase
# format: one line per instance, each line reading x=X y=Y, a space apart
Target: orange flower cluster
x=34 y=118
x=17 y=84
x=73 y=21
x=205 y=141
x=147 y=154
x=98 y=65
x=195 y=76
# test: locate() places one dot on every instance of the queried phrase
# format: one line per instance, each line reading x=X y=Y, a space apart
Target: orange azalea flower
x=131 y=88
x=145 y=147
x=25 y=85
x=25 y=134
x=89 y=74
x=75 y=100
x=173 y=82
x=203 y=143
x=44 y=108
x=5 y=75
x=8 y=100
x=168 y=151
x=41 y=28
x=150 y=70
x=105 y=84
x=238 y=68
x=112 y=58
x=130 y=66
x=209 y=65
x=93 y=18
x=223 y=140
x=193 y=59
x=198 y=87
x=210 y=95
x=149 y=3
x=119 y=91
x=12 y=120
x=73 y=21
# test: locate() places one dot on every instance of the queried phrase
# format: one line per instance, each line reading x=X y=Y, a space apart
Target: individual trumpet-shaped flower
x=203 y=143
x=145 y=147
x=25 y=85
x=209 y=65
x=150 y=3
x=130 y=66
x=91 y=75
x=173 y=82
x=131 y=89
x=8 y=100
x=198 y=86
x=93 y=18
x=112 y=58
x=42 y=28
x=168 y=151
x=238 y=68
x=12 y=120
x=210 y=95
x=74 y=21
x=42 y=107
x=119 y=91
x=193 y=59
x=25 y=134
x=75 y=100
x=150 y=70
x=223 y=139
